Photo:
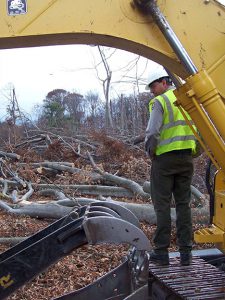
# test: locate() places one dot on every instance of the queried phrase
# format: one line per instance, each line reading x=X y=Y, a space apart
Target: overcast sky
x=36 y=71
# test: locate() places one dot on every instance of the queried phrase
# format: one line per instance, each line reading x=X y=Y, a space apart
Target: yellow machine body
x=216 y=233
x=199 y=26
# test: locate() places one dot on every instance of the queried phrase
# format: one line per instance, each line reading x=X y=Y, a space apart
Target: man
x=170 y=144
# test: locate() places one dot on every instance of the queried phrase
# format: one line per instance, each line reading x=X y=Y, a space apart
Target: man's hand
x=148 y=149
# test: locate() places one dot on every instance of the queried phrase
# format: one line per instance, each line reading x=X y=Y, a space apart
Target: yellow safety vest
x=175 y=134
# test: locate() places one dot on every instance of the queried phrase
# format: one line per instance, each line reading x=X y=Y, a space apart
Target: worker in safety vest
x=170 y=144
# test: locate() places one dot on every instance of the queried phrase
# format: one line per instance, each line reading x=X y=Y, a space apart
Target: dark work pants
x=171 y=173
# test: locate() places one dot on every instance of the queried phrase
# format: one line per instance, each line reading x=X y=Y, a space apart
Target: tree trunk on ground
x=37 y=210
x=57 y=209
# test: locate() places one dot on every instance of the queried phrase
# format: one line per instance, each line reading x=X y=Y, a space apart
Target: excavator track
x=199 y=281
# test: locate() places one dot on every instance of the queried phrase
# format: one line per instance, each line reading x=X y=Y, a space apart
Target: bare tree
x=123 y=115
x=13 y=112
x=106 y=87
x=93 y=102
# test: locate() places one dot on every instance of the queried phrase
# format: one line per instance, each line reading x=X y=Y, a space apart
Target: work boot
x=185 y=258
x=160 y=259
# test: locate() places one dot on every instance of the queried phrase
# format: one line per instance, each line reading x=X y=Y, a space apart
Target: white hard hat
x=155 y=75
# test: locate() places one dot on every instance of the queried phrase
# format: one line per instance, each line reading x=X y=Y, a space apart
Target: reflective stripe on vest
x=175 y=134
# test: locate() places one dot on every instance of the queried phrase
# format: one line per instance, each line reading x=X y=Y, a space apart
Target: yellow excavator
x=187 y=37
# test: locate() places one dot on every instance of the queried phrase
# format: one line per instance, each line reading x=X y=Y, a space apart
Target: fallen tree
x=63 y=206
